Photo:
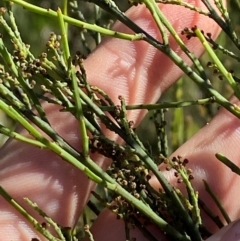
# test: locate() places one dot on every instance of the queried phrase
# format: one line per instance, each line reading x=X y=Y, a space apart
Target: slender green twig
x=14 y=34
x=111 y=185
x=111 y=8
x=160 y=18
x=160 y=126
x=6 y=56
x=217 y=201
x=28 y=217
x=10 y=111
x=66 y=51
x=185 y=5
x=65 y=12
x=99 y=176
x=80 y=115
x=204 y=84
x=8 y=132
x=218 y=63
x=192 y=228
x=193 y=196
x=98 y=12
x=14 y=69
x=178 y=128
x=228 y=163
x=77 y=23
x=224 y=26
x=215 y=218
x=151 y=5
x=78 y=104
x=158 y=106
x=221 y=48
x=46 y=217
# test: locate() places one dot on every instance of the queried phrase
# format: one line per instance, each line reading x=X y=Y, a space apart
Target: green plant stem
x=161 y=18
x=224 y=26
x=11 y=112
x=48 y=219
x=6 y=56
x=219 y=64
x=159 y=120
x=65 y=12
x=110 y=7
x=66 y=51
x=26 y=215
x=204 y=83
x=151 y=5
x=228 y=163
x=78 y=104
x=8 y=132
x=158 y=106
x=193 y=196
x=25 y=86
x=77 y=23
x=174 y=56
x=14 y=34
x=79 y=114
x=209 y=212
x=185 y=5
x=217 y=201
x=178 y=128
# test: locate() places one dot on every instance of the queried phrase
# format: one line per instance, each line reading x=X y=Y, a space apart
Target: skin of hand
x=133 y=70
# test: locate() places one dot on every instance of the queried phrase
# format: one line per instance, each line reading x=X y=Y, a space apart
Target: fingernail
x=230 y=232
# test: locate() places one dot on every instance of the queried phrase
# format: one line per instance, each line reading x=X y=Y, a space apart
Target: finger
x=230 y=233
x=132 y=69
